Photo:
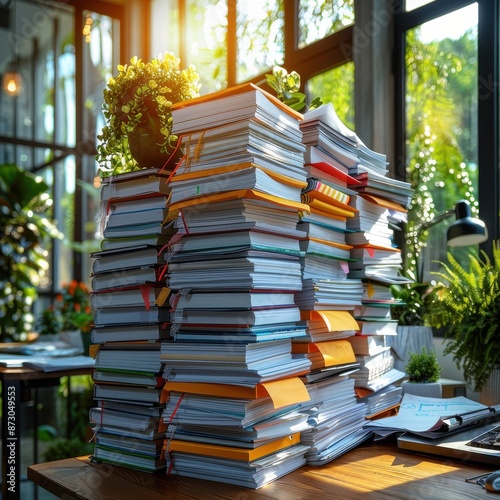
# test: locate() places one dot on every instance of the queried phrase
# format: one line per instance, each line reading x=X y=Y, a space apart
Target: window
x=64 y=55
x=440 y=116
x=318 y=20
x=231 y=41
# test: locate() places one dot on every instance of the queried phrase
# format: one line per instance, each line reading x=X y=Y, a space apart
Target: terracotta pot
x=144 y=143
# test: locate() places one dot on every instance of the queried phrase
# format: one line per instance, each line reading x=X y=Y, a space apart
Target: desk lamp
x=465 y=231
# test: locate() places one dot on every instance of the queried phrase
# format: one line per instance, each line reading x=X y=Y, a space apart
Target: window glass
x=415 y=4
x=165 y=13
x=318 y=19
x=205 y=42
x=100 y=56
x=336 y=86
x=36 y=35
x=441 y=127
x=260 y=37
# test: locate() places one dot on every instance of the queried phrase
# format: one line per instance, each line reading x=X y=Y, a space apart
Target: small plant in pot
x=423 y=370
x=137 y=107
x=69 y=317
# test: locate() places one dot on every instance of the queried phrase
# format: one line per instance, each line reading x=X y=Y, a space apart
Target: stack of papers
x=47 y=363
x=324 y=295
x=131 y=318
x=234 y=277
x=323 y=129
x=338 y=419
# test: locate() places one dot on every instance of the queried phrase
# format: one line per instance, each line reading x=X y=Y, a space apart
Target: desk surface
x=369 y=471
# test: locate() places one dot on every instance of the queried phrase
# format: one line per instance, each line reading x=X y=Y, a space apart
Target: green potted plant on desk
x=137 y=109
x=69 y=317
x=467 y=304
x=423 y=372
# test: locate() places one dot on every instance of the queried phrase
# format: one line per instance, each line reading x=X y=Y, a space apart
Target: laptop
x=458 y=445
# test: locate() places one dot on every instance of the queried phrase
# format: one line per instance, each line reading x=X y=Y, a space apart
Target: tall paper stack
x=233 y=386
x=132 y=319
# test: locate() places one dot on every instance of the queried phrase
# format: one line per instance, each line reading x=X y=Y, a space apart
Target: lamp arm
x=422 y=227
x=434 y=221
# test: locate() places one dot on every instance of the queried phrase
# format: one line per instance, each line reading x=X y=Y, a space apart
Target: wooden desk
x=12 y=382
x=372 y=470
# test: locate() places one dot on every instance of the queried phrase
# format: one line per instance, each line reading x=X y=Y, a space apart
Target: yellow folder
x=336 y=321
x=231 y=452
x=283 y=392
x=241 y=193
x=329 y=208
x=334 y=352
x=200 y=174
x=384 y=203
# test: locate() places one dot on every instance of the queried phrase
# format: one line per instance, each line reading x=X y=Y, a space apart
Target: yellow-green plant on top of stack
x=139 y=91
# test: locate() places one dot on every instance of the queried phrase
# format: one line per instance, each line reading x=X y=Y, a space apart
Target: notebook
x=457 y=445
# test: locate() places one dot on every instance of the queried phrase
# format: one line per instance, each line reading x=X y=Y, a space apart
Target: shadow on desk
x=370 y=471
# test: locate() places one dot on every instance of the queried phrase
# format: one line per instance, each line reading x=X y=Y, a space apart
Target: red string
x=145 y=289
x=170 y=455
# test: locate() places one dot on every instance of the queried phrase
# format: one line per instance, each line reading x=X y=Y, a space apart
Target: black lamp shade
x=466 y=230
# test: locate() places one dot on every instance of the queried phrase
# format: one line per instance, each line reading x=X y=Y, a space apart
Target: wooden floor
x=378 y=471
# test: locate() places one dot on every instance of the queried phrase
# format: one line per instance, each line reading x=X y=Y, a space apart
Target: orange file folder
x=384 y=203
x=334 y=352
x=328 y=207
x=283 y=392
x=231 y=452
x=336 y=321
x=240 y=193
x=232 y=168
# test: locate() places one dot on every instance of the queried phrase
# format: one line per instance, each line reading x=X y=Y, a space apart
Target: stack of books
x=131 y=319
x=376 y=202
x=327 y=135
x=327 y=301
x=232 y=384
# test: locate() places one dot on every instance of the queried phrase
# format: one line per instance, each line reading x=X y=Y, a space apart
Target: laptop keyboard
x=489 y=440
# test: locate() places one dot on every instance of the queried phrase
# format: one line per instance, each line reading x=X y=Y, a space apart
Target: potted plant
x=423 y=372
x=412 y=299
x=26 y=228
x=137 y=109
x=467 y=304
x=287 y=88
x=70 y=317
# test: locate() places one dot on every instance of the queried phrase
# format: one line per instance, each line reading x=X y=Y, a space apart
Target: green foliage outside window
x=441 y=156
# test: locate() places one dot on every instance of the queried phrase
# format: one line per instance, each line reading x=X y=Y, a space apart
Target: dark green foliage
x=468 y=304
x=25 y=230
x=423 y=366
x=66 y=448
x=71 y=438
x=414 y=299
